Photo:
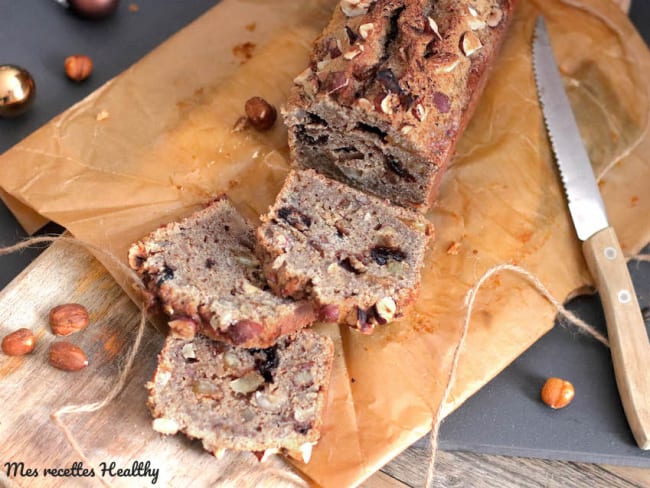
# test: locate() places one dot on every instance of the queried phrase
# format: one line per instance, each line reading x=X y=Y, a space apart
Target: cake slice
x=390 y=88
x=264 y=400
x=202 y=273
x=355 y=256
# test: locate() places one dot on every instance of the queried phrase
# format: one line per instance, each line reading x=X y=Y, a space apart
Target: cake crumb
x=102 y=115
x=243 y=51
x=134 y=7
x=251 y=27
x=453 y=248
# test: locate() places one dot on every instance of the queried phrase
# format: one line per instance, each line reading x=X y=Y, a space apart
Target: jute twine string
x=470 y=297
x=274 y=474
x=124 y=370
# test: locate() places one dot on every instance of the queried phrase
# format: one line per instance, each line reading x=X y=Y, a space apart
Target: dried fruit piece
x=67 y=357
x=383 y=254
x=261 y=114
x=68 y=318
x=557 y=393
x=330 y=312
x=295 y=218
x=19 y=342
x=441 y=102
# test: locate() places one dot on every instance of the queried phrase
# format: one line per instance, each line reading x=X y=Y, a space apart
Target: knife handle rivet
x=624 y=296
x=610 y=253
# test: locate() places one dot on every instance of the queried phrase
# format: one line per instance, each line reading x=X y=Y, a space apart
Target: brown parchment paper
x=167 y=146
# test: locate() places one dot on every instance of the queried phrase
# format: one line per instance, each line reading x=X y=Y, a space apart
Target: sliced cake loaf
x=265 y=400
x=202 y=273
x=391 y=85
x=357 y=257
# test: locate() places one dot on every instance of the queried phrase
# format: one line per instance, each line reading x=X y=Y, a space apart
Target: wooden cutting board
x=31 y=389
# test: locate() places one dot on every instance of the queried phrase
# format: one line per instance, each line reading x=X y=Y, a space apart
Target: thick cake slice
x=203 y=274
x=390 y=88
x=244 y=399
x=356 y=256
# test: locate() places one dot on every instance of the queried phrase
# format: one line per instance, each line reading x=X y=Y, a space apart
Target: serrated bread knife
x=626 y=330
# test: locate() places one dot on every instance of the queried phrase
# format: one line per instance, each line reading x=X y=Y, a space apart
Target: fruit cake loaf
x=203 y=274
x=357 y=257
x=391 y=85
x=244 y=399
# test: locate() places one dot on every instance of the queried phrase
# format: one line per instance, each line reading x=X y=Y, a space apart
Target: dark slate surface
x=506 y=416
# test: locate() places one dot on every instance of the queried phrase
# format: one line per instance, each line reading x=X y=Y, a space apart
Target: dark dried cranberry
x=329 y=313
x=295 y=218
x=383 y=254
x=302 y=428
x=352 y=36
x=266 y=361
x=387 y=79
x=209 y=263
x=394 y=165
x=166 y=275
x=442 y=102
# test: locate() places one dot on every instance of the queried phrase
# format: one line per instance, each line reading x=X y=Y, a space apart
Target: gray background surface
x=506 y=416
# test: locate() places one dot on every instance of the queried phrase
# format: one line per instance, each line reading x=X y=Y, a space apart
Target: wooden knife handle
x=628 y=339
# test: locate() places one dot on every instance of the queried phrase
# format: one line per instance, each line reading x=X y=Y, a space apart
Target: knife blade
x=629 y=344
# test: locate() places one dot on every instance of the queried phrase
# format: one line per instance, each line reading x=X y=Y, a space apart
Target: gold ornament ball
x=17 y=90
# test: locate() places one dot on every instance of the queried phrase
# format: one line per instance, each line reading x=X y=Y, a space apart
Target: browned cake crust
x=202 y=273
x=391 y=86
x=357 y=257
x=243 y=399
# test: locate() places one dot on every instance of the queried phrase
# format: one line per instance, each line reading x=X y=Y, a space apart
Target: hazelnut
x=67 y=356
x=353 y=8
x=261 y=114
x=68 y=318
x=419 y=112
x=271 y=401
x=19 y=342
x=494 y=17
x=385 y=310
x=473 y=21
x=365 y=30
x=434 y=27
x=445 y=63
x=557 y=393
x=353 y=53
x=165 y=426
x=183 y=328
x=78 y=67
x=207 y=388
x=389 y=102
x=470 y=43
x=247 y=383
x=188 y=351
